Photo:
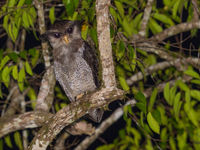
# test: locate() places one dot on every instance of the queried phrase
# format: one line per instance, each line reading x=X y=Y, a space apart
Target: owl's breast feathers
x=76 y=68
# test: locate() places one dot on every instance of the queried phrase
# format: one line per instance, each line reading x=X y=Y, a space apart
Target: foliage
x=167 y=119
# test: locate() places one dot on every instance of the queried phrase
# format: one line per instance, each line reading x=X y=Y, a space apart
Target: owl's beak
x=66 y=39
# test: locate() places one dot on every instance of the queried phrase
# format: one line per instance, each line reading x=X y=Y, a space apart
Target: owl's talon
x=79 y=96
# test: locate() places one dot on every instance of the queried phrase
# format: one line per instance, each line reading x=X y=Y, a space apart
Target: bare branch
x=145 y=19
x=104 y=125
x=182 y=27
x=46 y=94
x=71 y=113
x=180 y=64
x=161 y=86
x=23 y=121
x=41 y=22
x=105 y=48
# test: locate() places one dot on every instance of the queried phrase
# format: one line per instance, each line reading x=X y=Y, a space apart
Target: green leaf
x=18 y=140
x=182 y=140
x=140 y=97
x=5 y=22
x=120 y=50
x=6 y=76
x=195 y=94
x=15 y=72
x=195 y=81
x=156 y=114
x=4 y=61
x=76 y=3
x=52 y=14
x=13 y=56
x=35 y=56
x=31 y=94
x=84 y=32
x=11 y=3
x=69 y=5
x=152 y=99
x=153 y=123
x=142 y=103
x=136 y=22
x=154 y=26
x=192 y=115
x=163 y=18
x=192 y=73
x=25 y=19
x=22 y=54
x=8 y=141
x=113 y=13
x=166 y=92
x=120 y=8
x=123 y=83
x=30 y=20
x=175 y=8
x=128 y=28
x=172 y=143
x=172 y=95
x=10 y=33
x=21 y=79
x=28 y=68
x=21 y=3
x=177 y=105
x=183 y=86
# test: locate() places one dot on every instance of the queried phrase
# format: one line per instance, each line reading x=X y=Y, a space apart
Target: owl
x=75 y=62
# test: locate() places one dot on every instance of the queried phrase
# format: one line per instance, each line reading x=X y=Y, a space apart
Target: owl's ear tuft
x=44 y=37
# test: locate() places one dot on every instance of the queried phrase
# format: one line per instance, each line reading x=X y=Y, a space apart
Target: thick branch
x=71 y=113
x=46 y=93
x=23 y=121
x=183 y=27
x=145 y=19
x=105 y=48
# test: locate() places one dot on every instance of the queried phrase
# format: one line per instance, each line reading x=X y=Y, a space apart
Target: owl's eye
x=69 y=30
x=57 y=35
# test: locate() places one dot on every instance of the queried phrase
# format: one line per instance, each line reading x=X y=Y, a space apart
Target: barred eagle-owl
x=75 y=62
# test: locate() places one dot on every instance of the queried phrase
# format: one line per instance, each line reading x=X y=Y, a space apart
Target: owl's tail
x=96 y=114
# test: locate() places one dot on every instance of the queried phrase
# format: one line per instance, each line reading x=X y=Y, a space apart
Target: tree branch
x=46 y=94
x=183 y=27
x=22 y=121
x=71 y=113
x=104 y=125
x=145 y=19
x=178 y=63
x=105 y=48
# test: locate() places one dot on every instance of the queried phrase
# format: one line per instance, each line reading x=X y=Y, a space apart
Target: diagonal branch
x=106 y=123
x=183 y=27
x=22 y=121
x=146 y=16
x=71 y=113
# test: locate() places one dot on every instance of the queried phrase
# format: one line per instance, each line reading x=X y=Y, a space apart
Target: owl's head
x=62 y=33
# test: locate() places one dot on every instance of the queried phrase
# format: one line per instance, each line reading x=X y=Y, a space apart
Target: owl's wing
x=90 y=56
